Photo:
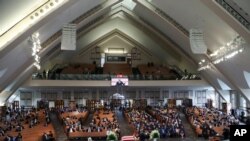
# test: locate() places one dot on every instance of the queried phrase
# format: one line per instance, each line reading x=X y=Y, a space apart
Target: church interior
x=129 y=70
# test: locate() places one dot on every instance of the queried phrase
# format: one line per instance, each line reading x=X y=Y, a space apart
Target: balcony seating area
x=91 y=72
x=155 y=72
x=116 y=68
x=79 y=69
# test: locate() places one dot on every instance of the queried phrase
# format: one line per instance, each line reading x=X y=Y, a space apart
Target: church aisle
x=124 y=125
x=60 y=134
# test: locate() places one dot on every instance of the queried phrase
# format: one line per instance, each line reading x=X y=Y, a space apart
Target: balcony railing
x=232 y=11
x=40 y=76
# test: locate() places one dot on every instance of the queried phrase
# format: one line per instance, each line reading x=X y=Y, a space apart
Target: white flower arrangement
x=112 y=136
x=154 y=134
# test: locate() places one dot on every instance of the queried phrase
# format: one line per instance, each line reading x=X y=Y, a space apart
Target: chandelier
x=36 y=49
x=224 y=53
x=228 y=51
x=204 y=64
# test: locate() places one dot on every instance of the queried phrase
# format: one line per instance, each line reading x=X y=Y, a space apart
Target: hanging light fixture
x=36 y=49
x=224 y=53
x=228 y=51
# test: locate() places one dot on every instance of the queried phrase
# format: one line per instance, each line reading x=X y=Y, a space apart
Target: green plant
x=154 y=134
x=112 y=136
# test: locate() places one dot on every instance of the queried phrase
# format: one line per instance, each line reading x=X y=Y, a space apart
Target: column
x=72 y=95
x=137 y=94
x=161 y=94
x=97 y=94
x=36 y=96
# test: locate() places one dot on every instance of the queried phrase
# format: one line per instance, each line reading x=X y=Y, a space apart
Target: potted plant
x=112 y=136
x=154 y=135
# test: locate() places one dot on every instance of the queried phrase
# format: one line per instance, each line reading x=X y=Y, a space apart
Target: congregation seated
x=48 y=136
x=210 y=122
x=102 y=122
x=72 y=119
x=20 y=124
x=143 y=123
x=168 y=115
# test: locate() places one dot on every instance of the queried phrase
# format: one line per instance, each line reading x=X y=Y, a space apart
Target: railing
x=56 y=76
x=234 y=13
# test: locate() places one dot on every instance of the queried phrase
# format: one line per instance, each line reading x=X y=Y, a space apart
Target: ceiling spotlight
x=41 y=10
x=36 y=14
x=31 y=17
x=203 y=60
x=51 y=4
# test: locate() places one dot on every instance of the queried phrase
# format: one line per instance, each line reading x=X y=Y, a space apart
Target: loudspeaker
x=197 y=43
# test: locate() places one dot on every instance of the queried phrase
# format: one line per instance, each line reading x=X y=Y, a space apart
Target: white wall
x=153 y=95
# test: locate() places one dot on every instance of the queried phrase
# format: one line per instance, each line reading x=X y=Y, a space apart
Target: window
x=233 y=99
x=116 y=58
x=201 y=97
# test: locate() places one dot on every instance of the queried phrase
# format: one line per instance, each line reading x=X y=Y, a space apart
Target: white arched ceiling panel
x=128 y=29
x=2 y=72
x=115 y=41
x=11 y=13
x=234 y=73
x=146 y=41
x=233 y=68
x=213 y=77
x=56 y=23
x=247 y=77
x=168 y=30
x=194 y=14
x=15 y=59
x=223 y=85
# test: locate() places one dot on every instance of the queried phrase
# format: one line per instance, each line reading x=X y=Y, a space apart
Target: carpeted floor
x=124 y=126
x=60 y=134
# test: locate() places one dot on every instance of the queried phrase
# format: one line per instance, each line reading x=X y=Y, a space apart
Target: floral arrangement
x=112 y=136
x=154 y=134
